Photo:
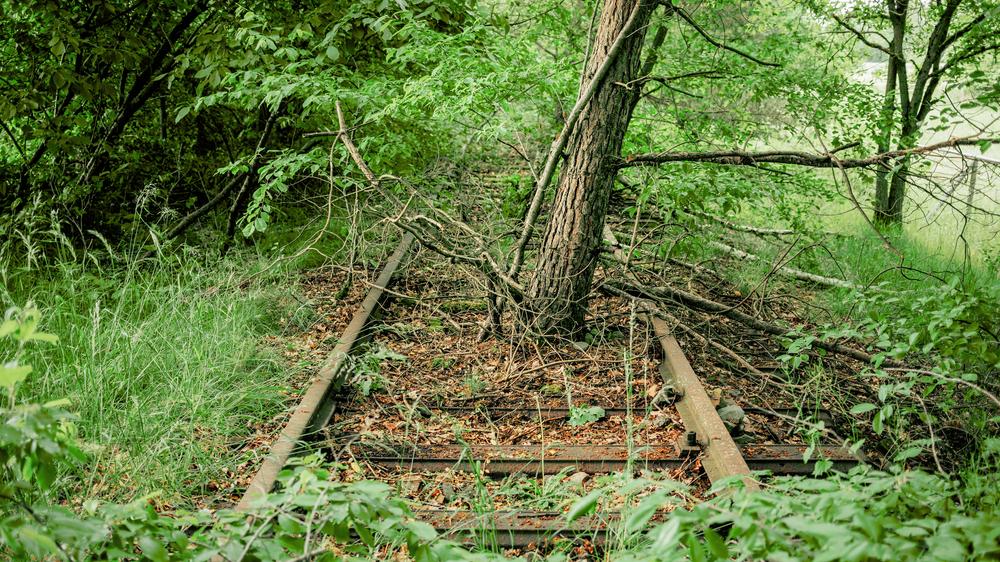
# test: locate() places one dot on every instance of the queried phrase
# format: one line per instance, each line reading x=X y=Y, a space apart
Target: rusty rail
x=553 y=413
x=497 y=461
x=707 y=440
x=316 y=407
x=722 y=458
x=517 y=528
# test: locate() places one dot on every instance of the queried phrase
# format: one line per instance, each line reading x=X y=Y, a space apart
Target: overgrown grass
x=164 y=362
x=917 y=258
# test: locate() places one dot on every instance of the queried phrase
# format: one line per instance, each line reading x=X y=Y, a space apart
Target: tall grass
x=164 y=363
x=919 y=256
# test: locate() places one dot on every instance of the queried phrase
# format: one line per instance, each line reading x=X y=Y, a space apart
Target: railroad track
x=705 y=442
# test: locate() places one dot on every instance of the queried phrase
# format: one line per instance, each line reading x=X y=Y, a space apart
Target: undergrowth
x=161 y=361
x=896 y=514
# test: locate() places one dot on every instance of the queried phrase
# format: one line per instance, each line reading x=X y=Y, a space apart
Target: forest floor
x=425 y=384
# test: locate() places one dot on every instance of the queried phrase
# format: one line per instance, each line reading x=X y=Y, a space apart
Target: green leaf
x=332 y=53
x=423 y=531
x=863 y=408
x=182 y=113
x=12 y=373
x=365 y=534
x=153 y=549
x=815 y=485
x=716 y=545
x=810 y=527
x=640 y=516
x=908 y=453
x=41 y=543
x=583 y=506
x=665 y=536
x=46 y=475
x=41 y=336
x=583 y=415
x=695 y=552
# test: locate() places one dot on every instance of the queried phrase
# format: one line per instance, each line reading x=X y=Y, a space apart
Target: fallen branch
x=702 y=304
x=693 y=301
x=708 y=341
x=191 y=218
x=742 y=227
x=482 y=261
x=815 y=160
x=786 y=270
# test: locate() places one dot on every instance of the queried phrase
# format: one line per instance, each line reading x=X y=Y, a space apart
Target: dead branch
x=693 y=301
x=684 y=16
x=742 y=227
x=814 y=160
x=432 y=238
x=708 y=341
x=636 y=289
x=786 y=270
x=191 y=218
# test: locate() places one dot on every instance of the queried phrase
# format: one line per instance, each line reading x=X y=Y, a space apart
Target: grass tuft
x=164 y=366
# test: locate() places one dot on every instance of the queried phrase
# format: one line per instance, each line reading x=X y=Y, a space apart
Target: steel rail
x=498 y=461
x=556 y=413
x=722 y=458
x=317 y=406
x=517 y=529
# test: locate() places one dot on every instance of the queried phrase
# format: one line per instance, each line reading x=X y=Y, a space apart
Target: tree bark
x=888 y=110
x=557 y=294
x=896 y=84
x=914 y=105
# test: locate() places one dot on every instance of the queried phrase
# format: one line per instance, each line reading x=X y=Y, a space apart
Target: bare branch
x=683 y=15
x=860 y=34
x=786 y=270
x=814 y=160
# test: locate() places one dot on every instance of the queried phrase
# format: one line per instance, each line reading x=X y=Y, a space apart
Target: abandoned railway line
x=418 y=431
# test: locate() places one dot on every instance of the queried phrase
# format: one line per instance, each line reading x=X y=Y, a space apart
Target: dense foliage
x=864 y=515
x=140 y=139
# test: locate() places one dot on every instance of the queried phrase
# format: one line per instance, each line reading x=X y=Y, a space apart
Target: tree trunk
x=888 y=118
x=557 y=294
x=895 y=84
x=897 y=195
